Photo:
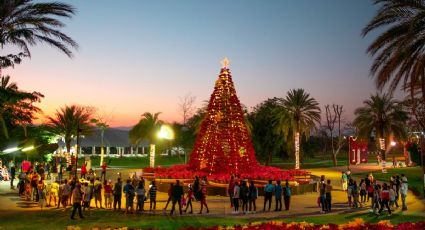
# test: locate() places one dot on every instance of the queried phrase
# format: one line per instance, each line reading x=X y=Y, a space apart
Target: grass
x=136 y=162
x=315 y=162
x=53 y=219
x=413 y=174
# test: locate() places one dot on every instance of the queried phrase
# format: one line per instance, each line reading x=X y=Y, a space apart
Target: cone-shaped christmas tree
x=223 y=144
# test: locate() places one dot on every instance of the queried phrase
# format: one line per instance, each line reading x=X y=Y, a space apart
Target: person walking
x=253 y=195
x=12 y=176
x=356 y=195
x=268 y=194
x=287 y=193
x=152 y=196
x=236 y=196
x=87 y=193
x=204 y=195
x=376 y=198
x=403 y=192
x=190 y=198
x=328 y=190
x=363 y=192
x=53 y=193
x=385 y=199
x=76 y=199
x=278 y=196
x=176 y=197
x=169 y=192
x=66 y=192
x=117 y=194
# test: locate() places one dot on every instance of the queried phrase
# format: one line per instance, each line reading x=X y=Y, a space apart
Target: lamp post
x=76 y=149
x=166 y=132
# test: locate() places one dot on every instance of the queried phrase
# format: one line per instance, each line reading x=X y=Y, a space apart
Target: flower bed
x=256 y=173
x=357 y=224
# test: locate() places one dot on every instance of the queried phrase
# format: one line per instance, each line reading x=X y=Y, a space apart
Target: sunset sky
x=142 y=56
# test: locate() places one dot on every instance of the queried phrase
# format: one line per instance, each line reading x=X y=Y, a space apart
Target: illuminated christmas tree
x=223 y=144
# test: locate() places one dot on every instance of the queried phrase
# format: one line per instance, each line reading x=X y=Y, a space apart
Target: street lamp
x=166 y=132
x=79 y=130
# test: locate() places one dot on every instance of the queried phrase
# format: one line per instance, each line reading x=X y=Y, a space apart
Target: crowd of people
x=369 y=193
x=61 y=189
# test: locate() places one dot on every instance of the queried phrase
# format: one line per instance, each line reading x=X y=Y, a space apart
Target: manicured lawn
x=53 y=219
x=413 y=174
x=137 y=162
x=316 y=162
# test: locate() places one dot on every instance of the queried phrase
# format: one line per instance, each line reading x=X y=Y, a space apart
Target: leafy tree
x=266 y=142
x=383 y=116
x=24 y=23
x=16 y=106
x=68 y=120
x=297 y=115
x=147 y=129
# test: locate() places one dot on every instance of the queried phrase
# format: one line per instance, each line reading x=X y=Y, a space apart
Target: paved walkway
x=301 y=205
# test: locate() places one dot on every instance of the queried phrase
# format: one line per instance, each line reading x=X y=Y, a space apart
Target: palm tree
x=298 y=115
x=399 y=50
x=146 y=129
x=102 y=126
x=67 y=120
x=24 y=23
x=383 y=116
x=16 y=105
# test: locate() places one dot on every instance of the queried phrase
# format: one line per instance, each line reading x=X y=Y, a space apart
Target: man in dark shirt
x=12 y=176
x=176 y=196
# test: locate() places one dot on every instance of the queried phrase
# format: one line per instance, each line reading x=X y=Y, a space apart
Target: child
x=236 y=192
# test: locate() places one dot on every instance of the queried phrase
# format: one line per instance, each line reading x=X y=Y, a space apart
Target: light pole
x=76 y=149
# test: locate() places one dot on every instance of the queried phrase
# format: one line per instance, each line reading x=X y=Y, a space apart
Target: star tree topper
x=225 y=63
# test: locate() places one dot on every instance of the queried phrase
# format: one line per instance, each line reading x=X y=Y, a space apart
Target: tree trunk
x=334 y=160
x=269 y=158
x=4 y=127
x=297 y=150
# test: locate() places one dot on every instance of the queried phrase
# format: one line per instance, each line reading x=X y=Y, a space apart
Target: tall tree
x=333 y=117
x=16 y=106
x=187 y=107
x=147 y=129
x=266 y=142
x=24 y=23
x=67 y=120
x=383 y=116
x=298 y=115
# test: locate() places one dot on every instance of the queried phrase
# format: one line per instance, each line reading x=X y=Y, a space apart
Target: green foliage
x=382 y=115
x=267 y=143
x=67 y=120
x=24 y=23
x=146 y=129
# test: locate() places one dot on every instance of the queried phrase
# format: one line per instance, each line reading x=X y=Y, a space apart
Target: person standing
x=356 y=194
x=236 y=195
x=396 y=188
x=328 y=190
x=322 y=197
x=230 y=189
x=77 y=198
x=244 y=195
x=344 y=181
x=403 y=192
x=97 y=190
x=66 y=193
x=103 y=174
x=152 y=196
x=287 y=195
x=385 y=199
x=107 y=188
x=350 y=192
x=12 y=176
x=54 y=189
x=129 y=197
x=84 y=170
x=253 y=195
x=204 y=195
x=278 y=196
x=140 y=192
x=363 y=191
x=268 y=194
x=41 y=188
x=117 y=194
x=176 y=196
x=86 y=196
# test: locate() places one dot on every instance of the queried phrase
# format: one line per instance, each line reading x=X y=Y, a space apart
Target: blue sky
x=139 y=56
